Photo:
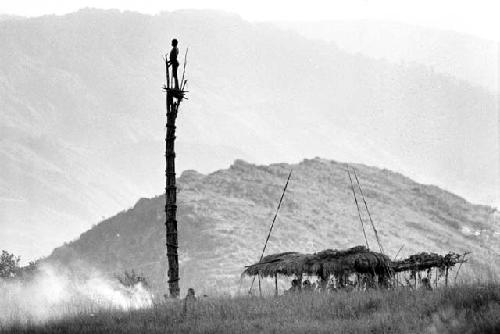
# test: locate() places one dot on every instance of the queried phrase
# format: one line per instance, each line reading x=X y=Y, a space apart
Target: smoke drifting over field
x=54 y=293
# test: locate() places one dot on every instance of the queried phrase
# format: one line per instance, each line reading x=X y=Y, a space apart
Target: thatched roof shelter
x=424 y=261
x=322 y=264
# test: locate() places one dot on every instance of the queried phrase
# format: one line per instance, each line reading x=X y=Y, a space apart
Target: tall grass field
x=468 y=308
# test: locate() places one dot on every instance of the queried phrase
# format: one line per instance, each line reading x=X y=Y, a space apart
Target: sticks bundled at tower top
x=174 y=96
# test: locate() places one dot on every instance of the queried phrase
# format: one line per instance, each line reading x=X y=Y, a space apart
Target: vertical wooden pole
x=276 y=284
x=167 y=75
x=446 y=277
x=260 y=289
x=171 y=193
x=171 y=202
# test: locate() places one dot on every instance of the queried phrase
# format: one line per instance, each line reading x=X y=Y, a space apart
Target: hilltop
x=224 y=218
x=82 y=114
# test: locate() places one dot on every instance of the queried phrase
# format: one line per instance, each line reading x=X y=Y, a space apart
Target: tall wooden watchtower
x=174 y=96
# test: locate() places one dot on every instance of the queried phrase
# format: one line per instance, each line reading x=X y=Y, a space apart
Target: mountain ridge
x=82 y=114
x=223 y=218
x=464 y=56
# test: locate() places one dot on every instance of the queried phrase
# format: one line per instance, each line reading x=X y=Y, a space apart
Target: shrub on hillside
x=9 y=265
x=131 y=279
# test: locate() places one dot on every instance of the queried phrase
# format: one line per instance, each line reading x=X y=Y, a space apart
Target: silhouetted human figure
x=189 y=301
x=173 y=61
x=307 y=286
x=426 y=284
x=296 y=286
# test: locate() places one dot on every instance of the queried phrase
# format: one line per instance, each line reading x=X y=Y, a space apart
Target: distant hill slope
x=224 y=218
x=82 y=114
x=461 y=55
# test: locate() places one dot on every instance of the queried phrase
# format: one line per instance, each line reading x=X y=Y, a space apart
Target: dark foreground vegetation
x=471 y=308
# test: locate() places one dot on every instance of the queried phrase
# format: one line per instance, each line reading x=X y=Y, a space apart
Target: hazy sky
x=479 y=17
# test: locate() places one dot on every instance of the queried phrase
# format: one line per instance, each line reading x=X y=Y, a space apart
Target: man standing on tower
x=173 y=61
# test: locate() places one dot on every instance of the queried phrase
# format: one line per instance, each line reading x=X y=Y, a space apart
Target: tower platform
x=177 y=93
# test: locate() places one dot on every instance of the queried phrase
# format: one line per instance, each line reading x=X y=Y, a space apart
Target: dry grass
x=471 y=308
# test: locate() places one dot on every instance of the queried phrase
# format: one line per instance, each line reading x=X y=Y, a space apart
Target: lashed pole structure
x=357 y=206
x=173 y=99
x=269 y=234
x=368 y=211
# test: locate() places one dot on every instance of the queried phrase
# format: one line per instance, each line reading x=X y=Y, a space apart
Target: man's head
x=174 y=42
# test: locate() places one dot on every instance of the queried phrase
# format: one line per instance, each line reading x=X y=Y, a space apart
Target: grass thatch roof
x=323 y=264
x=424 y=261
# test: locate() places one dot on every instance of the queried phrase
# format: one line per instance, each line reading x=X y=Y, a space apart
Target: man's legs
x=174 y=76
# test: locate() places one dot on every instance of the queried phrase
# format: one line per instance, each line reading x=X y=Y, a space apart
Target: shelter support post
x=446 y=277
x=276 y=284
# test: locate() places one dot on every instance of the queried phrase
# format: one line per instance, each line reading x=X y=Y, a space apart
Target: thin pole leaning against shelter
x=357 y=206
x=271 y=227
x=173 y=99
x=368 y=211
